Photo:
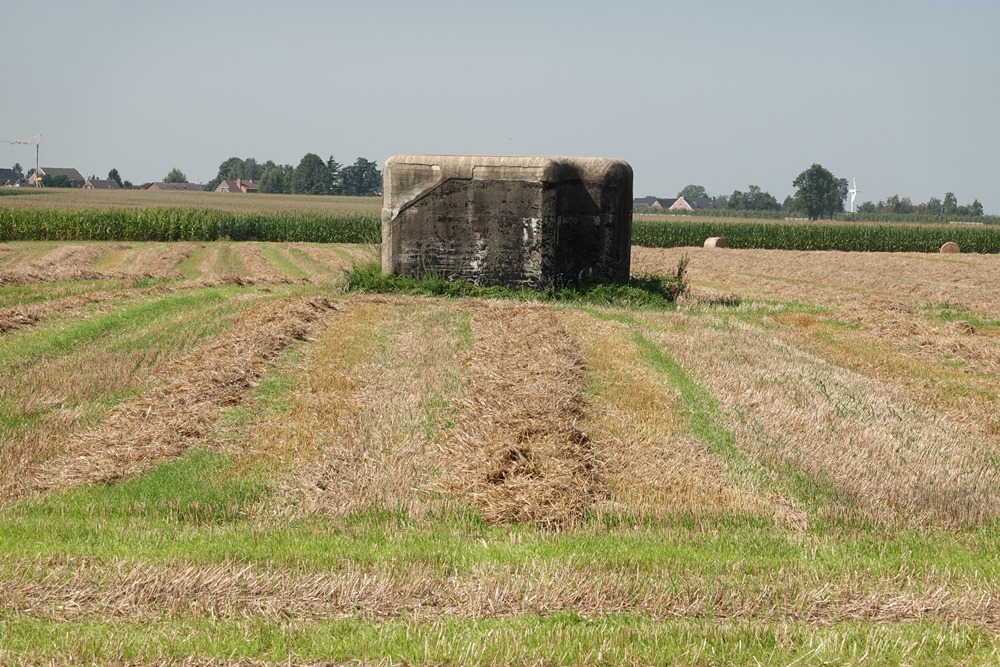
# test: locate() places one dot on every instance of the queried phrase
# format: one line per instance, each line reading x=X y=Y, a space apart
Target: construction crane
x=37 y=140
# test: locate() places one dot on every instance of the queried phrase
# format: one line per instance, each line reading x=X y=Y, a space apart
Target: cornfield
x=197 y=224
x=814 y=236
x=186 y=224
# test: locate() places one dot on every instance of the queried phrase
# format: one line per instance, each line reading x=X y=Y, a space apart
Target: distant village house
x=675 y=204
x=237 y=185
x=693 y=204
x=9 y=178
x=657 y=203
x=97 y=184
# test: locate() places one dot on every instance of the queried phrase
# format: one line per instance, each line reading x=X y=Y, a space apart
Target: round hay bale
x=950 y=247
x=718 y=242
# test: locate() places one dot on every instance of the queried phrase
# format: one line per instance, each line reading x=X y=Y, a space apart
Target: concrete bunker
x=503 y=220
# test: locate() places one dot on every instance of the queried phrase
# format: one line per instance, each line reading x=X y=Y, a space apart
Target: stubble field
x=211 y=453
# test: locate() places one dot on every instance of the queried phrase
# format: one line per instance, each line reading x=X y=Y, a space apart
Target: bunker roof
x=542 y=168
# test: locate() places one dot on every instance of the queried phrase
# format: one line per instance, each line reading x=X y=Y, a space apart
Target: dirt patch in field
x=517 y=451
x=183 y=407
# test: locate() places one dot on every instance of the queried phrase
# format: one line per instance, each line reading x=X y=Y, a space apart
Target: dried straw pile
x=195 y=389
x=17 y=317
x=70 y=262
x=518 y=454
x=161 y=260
x=258 y=266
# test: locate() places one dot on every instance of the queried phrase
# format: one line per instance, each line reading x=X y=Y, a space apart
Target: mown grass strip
x=283 y=262
x=194 y=510
x=563 y=638
x=20 y=295
x=23 y=348
x=701 y=408
x=699 y=405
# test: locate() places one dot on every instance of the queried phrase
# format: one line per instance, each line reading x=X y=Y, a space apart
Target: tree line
x=820 y=194
x=949 y=206
x=312 y=176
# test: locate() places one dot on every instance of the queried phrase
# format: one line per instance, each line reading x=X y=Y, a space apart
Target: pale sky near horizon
x=902 y=96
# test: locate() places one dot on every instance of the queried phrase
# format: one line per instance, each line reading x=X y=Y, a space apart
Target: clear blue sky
x=904 y=96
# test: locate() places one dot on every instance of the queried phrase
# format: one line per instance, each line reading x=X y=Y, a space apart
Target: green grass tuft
x=645 y=291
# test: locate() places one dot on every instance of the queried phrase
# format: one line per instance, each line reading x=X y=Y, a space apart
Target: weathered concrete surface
x=506 y=220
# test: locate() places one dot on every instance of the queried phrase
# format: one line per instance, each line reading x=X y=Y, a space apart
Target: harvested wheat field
x=217 y=454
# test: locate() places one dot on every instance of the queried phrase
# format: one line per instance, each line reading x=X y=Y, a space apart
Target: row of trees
x=949 y=206
x=820 y=194
x=312 y=176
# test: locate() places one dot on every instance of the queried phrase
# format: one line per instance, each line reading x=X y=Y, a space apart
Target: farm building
x=693 y=204
x=658 y=203
x=76 y=179
x=97 y=184
x=244 y=185
x=9 y=178
x=506 y=220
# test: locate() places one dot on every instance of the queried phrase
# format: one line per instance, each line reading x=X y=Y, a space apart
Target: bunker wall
x=506 y=220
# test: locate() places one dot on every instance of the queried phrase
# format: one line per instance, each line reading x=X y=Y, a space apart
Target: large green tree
x=333 y=168
x=175 y=176
x=361 y=179
x=754 y=199
x=236 y=167
x=311 y=177
x=819 y=193
x=113 y=175
x=692 y=191
x=276 y=179
x=950 y=204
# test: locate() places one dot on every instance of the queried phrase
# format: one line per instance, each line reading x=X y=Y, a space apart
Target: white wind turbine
x=853 y=192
